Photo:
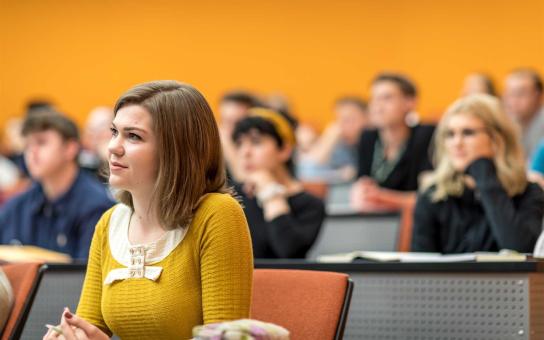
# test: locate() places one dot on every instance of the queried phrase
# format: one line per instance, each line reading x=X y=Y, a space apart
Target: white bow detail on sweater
x=137 y=259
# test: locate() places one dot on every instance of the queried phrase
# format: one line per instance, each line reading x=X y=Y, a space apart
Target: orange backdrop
x=85 y=53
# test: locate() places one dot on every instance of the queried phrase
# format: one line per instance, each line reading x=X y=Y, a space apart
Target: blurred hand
x=75 y=328
x=368 y=196
x=364 y=193
x=257 y=180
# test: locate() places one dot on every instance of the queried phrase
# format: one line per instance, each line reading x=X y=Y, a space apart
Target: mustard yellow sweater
x=207 y=278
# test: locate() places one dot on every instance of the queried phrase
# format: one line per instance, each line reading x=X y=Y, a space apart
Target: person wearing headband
x=284 y=220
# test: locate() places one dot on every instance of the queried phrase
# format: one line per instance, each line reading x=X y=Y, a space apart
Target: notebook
x=502 y=256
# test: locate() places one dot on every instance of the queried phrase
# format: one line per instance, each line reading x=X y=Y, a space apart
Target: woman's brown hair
x=188 y=148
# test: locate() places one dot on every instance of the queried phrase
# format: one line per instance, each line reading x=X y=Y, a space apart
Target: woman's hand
x=75 y=328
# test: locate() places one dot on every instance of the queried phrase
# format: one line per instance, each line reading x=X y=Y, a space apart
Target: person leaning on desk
x=478 y=197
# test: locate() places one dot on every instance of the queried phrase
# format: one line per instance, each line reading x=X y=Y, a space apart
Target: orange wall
x=85 y=53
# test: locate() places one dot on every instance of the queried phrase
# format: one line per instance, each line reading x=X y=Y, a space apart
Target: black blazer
x=415 y=159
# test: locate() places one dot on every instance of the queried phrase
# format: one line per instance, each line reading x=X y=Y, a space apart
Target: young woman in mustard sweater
x=176 y=252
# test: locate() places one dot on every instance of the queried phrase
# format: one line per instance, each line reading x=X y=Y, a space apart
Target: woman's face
x=132 y=150
x=466 y=139
x=258 y=151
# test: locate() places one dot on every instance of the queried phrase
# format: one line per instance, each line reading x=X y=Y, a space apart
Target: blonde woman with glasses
x=478 y=197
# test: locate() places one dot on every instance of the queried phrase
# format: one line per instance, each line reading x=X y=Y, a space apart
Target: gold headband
x=281 y=124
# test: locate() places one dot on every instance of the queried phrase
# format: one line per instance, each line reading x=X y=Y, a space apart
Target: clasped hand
x=73 y=327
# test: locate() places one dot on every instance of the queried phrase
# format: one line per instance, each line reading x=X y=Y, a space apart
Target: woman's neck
x=144 y=225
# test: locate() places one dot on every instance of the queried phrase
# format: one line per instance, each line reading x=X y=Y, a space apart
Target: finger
x=76 y=321
x=50 y=335
x=67 y=330
x=80 y=334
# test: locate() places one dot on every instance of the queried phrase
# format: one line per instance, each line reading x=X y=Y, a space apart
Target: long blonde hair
x=509 y=158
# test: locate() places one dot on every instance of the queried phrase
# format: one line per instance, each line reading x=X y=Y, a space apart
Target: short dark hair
x=267 y=128
x=37 y=106
x=531 y=73
x=51 y=121
x=405 y=85
x=241 y=97
x=490 y=87
x=352 y=100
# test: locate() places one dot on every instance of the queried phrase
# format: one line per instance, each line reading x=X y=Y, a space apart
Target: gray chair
x=60 y=287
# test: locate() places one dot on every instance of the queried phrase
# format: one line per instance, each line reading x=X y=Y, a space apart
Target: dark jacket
x=415 y=159
x=484 y=219
x=286 y=236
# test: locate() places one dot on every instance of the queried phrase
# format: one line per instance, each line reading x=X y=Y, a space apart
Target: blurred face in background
x=466 y=139
x=258 y=152
x=388 y=105
x=231 y=112
x=97 y=134
x=47 y=153
x=306 y=136
x=474 y=84
x=351 y=120
x=521 y=99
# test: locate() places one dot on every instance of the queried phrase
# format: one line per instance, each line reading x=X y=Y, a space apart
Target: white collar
x=137 y=258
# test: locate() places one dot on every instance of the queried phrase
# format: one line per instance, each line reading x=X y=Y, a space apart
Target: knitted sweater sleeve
x=515 y=227
x=226 y=261
x=89 y=307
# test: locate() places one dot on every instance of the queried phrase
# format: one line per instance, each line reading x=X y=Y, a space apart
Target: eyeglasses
x=465 y=133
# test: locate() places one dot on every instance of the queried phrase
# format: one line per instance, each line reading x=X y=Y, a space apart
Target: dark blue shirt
x=65 y=224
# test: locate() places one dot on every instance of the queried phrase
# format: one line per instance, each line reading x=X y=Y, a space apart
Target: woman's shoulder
x=217 y=211
x=218 y=200
x=213 y=204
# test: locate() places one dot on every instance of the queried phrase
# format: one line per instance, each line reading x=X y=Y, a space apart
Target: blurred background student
x=233 y=107
x=332 y=157
x=93 y=156
x=478 y=197
x=283 y=218
x=63 y=204
x=476 y=83
x=522 y=98
x=393 y=154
